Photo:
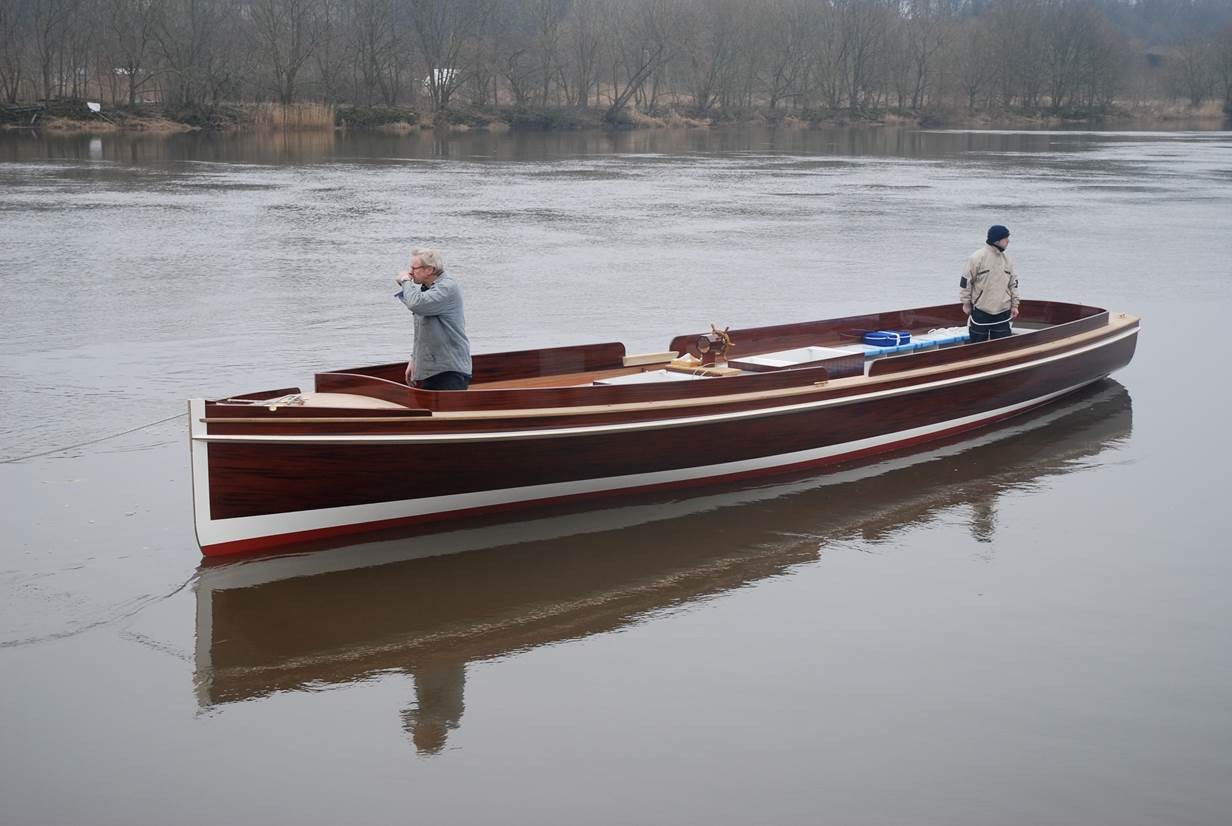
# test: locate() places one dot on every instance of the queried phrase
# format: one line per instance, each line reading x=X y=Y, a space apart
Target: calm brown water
x=1028 y=626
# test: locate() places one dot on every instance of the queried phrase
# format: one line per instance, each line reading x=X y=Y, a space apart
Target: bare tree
x=546 y=16
x=900 y=68
x=1068 y=31
x=482 y=79
x=285 y=34
x=976 y=60
x=707 y=47
x=1223 y=66
x=128 y=26
x=519 y=67
x=50 y=30
x=1105 y=67
x=330 y=57
x=865 y=25
x=516 y=56
x=377 y=51
x=644 y=34
x=830 y=60
x=741 y=63
x=444 y=29
x=787 y=32
x=927 y=30
x=581 y=41
x=14 y=33
x=1193 y=74
x=192 y=39
x=82 y=46
x=1018 y=26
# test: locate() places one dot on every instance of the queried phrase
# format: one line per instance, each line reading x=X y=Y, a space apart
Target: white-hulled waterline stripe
x=216 y=532
x=656 y=424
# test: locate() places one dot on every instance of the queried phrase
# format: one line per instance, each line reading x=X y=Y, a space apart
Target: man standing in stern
x=442 y=357
x=989 y=288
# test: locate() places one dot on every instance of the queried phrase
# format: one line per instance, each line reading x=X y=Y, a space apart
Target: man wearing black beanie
x=989 y=288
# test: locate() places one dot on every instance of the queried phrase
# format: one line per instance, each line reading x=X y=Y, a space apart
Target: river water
x=1027 y=626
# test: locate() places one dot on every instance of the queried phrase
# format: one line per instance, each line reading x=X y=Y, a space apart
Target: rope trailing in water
x=91 y=442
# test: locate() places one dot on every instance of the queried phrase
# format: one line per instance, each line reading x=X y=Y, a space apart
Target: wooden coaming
x=756 y=340
x=561 y=376
x=743 y=393
x=547 y=362
x=499 y=367
x=365 y=385
x=950 y=355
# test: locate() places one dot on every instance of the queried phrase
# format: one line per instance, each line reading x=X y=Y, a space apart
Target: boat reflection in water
x=419 y=606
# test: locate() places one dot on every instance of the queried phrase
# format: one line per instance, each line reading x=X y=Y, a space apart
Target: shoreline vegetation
x=70 y=116
x=219 y=65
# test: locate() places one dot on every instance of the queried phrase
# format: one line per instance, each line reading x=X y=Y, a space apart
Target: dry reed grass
x=895 y=119
x=675 y=120
x=641 y=120
x=1182 y=110
x=71 y=125
x=398 y=128
x=293 y=116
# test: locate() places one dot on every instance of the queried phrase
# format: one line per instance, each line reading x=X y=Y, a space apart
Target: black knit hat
x=996 y=232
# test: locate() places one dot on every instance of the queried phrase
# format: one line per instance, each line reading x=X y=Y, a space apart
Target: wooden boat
x=440 y=601
x=363 y=451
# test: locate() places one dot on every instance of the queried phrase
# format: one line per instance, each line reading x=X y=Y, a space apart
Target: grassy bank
x=75 y=116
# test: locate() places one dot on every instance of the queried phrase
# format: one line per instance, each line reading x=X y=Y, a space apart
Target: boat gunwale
x=892 y=385
x=538 y=368
x=733 y=390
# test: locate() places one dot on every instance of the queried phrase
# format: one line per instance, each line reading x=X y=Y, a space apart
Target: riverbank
x=74 y=116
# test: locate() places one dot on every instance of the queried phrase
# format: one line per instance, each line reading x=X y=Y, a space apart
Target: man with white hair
x=442 y=359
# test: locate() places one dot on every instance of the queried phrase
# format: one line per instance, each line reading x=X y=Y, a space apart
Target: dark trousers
x=445 y=381
x=989 y=326
x=983 y=333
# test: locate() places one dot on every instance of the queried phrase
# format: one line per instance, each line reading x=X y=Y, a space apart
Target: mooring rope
x=91 y=442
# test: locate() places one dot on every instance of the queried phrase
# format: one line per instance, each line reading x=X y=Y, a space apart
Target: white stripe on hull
x=216 y=532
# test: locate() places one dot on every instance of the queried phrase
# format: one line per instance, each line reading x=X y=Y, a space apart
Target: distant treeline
x=707 y=58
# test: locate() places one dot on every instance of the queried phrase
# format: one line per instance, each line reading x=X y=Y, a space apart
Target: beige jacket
x=989 y=282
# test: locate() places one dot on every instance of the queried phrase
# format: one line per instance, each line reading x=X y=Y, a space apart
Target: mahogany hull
x=279 y=484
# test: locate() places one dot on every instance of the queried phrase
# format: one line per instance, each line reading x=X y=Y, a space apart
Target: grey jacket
x=441 y=345
x=989 y=282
